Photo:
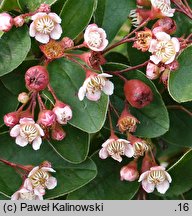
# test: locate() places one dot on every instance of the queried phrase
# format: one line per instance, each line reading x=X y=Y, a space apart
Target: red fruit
x=36 y=78
x=137 y=93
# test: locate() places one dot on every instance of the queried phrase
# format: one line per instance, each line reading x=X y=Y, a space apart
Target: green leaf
x=154 y=120
x=107 y=185
x=75 y=16
x=8 y=102
x=110 y=15
x=181 y=175
x=180 y=129
x=14 y=48
x=66 y=78
x=32 y=5
x=15 y=81
x=180 y=87
x=69 y=176
x=8 y=5
x=74 y=147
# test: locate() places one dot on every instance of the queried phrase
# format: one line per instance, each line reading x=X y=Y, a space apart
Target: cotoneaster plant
x=91 y=105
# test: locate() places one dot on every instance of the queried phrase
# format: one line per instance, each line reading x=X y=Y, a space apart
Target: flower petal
x=148 y=187
x=51 y=183
x=26 y=121
x=33 y=171
x=162 y=36
x=176 y=44
x=103 y=153
x=21 y=141
x=38 y=15
x=143 y=176
x=40 y=130
x=117 y=157
x=55 y=17
x=15 y=131
x=155 y=59
x=168 y=177
x=56 y=33
x=32 y=30
x=105 y=144
x=129 y=151
x=93 y=96
x=108 y=88
x=81 y=93
x=37 y=143
x=163 y=187
x=48 y=169
x=43 y=38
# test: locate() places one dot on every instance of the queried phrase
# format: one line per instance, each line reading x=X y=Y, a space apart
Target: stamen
x=29 y=132
x=44 y=25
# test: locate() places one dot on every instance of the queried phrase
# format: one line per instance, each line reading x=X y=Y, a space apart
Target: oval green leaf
x=66 y=78
x=180 y=129
x=110 y=15
x=107 y=184
x=32 y=5
x=181 y=175
x=74 y=147
x=15 y=46
x=8 y=5
x=154 y=119
x=75 y=16
x=180 y=87
x=70 y=177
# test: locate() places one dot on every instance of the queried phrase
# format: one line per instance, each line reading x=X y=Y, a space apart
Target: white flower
x=95 y=38
x=27 y=131
x=163 y=48
x=164 y=6
x=115 y=148
x=45 y=26
x=26 y=193
x=155 y=177
x=41 y=179
x=63 y=113
x=94 y=85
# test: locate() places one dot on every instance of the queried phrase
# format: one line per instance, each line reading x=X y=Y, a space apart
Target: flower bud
x=6 y=22
x=137 y=93
x=23 y=98
x=129 y=172
x=165 y=77
x=58 y=133
x=152 y=71
x=46 y=118
x=36 y=78
x=19 y=21
x=46 y=164
x=63 y=112
x=165 y=24
x=11 y=119
x=44 y=8
x=67 y=43
x=127 y=122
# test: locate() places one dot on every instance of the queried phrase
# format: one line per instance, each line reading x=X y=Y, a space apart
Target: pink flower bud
x=165 y=77
x=152 y=71
x=11 y=119
x=173 y=65
x=6 y=22
x=23 y=98
x=146 y=3
x=129 y=172
x=19 y=21
x=95 y=38
x=58 y=133
x=166 y=25
x=45 y=164
x=46 y=118
x=63 y=112
x=36 y=78
x=67 y=43
x=44 y=8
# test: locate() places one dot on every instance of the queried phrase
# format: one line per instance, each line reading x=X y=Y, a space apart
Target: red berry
x=137 y=93
x=36 y=78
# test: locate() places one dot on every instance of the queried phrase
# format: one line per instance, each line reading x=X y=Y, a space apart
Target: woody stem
x=110 y=123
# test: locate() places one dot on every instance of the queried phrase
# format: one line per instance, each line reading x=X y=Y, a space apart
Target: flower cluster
x=21 y=122
x=38 y=180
